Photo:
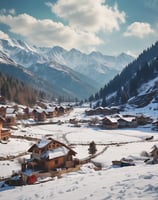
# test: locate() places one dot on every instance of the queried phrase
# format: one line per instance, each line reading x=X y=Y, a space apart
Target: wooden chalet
x=90 y=112
x=49 y=154
x=10 y=117
x=142 y=119
x=68 y=109
x=51 y=112
x=4 y=133
x=61 y=110
x=20 y=114
x=109 y=123
x=109 y=111
x=102 y=111
x=127 y=122
x=98 y=111
x=39 y=114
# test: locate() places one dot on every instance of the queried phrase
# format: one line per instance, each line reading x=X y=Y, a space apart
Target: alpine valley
x=57 y=71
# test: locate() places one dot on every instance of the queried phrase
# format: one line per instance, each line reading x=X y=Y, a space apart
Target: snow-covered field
x=134 y=182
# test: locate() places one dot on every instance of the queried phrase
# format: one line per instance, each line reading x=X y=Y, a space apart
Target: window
x=56 y=162
x=36 y=151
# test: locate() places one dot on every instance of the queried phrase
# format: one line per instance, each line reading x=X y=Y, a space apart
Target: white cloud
x=88 y=15
x=3 y=35
x=139 y=29
x=80 y=27
x=49 y=33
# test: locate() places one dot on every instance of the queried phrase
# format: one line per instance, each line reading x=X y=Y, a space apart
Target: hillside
x=63 y=79
x=16 y=91
x=125 y=87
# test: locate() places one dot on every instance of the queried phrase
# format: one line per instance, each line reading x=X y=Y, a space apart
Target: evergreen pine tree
x=92 y=148
x=104 y=104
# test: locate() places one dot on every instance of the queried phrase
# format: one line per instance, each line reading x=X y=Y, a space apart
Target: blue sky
x=109 y=26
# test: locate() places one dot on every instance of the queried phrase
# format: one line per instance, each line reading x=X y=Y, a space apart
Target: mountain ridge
x=90 y=70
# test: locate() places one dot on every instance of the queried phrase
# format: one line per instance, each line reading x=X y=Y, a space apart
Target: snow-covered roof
x=42 y=143
x=111 y=119
x=40 y=110
x=20 y=111
x=128 y=119
x=10 y=110
x=3 y=106
x=50 y=109
x=55 y=153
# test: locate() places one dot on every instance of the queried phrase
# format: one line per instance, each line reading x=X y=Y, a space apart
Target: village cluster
x=47 y=155
x=12 y=115
x=112 y=119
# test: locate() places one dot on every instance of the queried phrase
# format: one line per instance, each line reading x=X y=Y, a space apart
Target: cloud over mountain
x=48 y=33
x=107 y=26
x=139 y=29
x=81 y=22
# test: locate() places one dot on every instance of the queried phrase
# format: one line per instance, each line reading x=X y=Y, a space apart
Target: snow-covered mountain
x=5 y=59
x=100 y=68
x=64 y=79
x=53 y=79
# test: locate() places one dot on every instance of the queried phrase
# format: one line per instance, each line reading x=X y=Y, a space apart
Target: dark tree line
x=125 y=84
x=16 y=91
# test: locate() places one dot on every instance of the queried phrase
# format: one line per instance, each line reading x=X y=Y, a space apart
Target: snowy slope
x=64 y=79
x=127 y=183
x=5 y=59
x=147 y=95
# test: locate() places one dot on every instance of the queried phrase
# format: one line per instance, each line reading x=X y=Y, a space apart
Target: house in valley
x=98 y=111
x=51 y=112
x=102 y=111
x=127 y=122
x=142 y=119
x=109 y=123
x=10 y=117
x=61 y=110
x=39 y=114
x=90 y=112
x=4 y=133
x=109 y=111
x=49 y=154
